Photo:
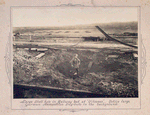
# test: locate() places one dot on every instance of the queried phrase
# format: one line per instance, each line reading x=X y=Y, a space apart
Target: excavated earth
x=103 y=71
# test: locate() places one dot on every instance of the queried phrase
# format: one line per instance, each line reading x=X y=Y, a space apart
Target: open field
x=110 y=28
x=74 y=34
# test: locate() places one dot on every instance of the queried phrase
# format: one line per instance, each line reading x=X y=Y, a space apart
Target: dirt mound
x=97 y=73
x=90 y=79
x=24 y=65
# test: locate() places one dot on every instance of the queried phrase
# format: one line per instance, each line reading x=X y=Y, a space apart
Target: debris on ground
x=116 y=77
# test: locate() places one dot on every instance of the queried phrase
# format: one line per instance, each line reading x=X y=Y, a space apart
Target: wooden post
x=30 y=38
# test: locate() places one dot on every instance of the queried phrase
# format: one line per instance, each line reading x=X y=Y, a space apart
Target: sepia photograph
x=75 y=52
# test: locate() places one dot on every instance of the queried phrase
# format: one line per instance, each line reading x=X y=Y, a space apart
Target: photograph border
x=141 y=57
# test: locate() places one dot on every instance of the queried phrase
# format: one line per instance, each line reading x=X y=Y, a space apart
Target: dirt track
x=77 y=44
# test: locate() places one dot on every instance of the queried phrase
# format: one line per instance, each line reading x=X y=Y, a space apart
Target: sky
x=65 y=16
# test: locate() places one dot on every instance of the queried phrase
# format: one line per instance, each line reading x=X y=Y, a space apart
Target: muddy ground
x=104 y=71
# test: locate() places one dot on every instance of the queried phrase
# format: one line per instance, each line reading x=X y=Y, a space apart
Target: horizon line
x=78 y=24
